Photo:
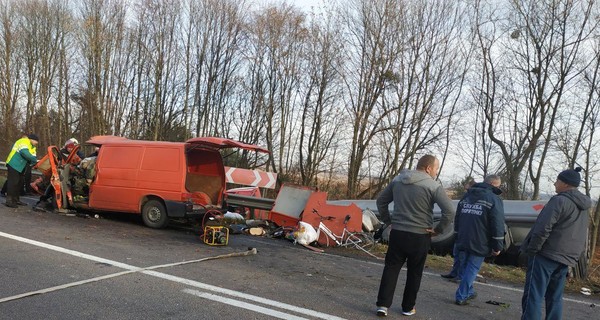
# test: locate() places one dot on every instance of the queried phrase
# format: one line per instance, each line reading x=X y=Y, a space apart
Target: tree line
x=344 y=95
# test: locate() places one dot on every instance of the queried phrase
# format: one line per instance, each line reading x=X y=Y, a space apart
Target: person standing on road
x=455 y=273
x=414 y=193
x=27 y=174
x=479 y=229
x=19 y=157
x=554 y=243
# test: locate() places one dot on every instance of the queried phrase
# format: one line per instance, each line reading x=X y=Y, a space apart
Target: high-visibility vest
x=23 y=143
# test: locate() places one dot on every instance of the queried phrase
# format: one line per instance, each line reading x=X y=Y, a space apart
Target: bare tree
x=100 y=40
x=373 y=29
x=527 y=65
x=11 y=60
x=160 y=83
x=321 y=120
x=277 y=35
x=427 y=86
x=214 y=38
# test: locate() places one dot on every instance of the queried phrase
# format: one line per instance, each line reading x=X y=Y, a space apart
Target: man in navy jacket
x=479 y=228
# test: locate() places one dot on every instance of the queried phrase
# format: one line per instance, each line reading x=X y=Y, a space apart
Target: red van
x=157 y=179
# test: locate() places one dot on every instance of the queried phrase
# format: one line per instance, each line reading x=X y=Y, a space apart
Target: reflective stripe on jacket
x=22 y=153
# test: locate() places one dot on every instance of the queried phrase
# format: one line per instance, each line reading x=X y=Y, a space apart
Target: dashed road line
x=241 y=304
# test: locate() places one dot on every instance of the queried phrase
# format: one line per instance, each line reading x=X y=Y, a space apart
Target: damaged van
x=157 y=179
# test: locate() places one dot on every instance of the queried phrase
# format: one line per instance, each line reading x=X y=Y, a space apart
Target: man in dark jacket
x=554 y=243
x=479 y=229
x=413 y=192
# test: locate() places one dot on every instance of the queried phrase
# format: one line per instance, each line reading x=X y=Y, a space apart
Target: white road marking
x=241 y=304
x=147 y=271
x=242 y=295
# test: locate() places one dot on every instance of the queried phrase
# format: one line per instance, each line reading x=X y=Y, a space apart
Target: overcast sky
x=304 y=4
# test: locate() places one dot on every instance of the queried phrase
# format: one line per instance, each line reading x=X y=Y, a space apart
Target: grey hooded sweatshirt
x=560 y=231
x=414 y=192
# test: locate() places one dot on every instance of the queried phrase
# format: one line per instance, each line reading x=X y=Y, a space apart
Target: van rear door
x=205 y=177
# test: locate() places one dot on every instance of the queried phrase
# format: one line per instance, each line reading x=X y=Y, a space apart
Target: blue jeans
x=456 y=272
x=545 y=280
x=470 y=265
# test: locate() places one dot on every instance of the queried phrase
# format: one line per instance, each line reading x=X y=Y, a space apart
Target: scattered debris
x=313 y=248
x=497 y=303
x=256 y=231
x=481 y=279
x=586 y=291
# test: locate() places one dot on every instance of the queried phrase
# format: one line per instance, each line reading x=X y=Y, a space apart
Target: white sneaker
x=410 y=313
x=382 y=311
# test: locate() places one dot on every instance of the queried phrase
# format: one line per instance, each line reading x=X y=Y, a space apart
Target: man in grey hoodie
x=414 y=193
x=554 y=243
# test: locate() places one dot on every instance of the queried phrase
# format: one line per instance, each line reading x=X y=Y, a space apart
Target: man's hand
x=379 y=234
x=496 y=253
x=431 y=232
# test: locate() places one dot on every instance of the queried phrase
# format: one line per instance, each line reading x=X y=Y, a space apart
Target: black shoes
x=21 y=203
x=450 y=277
x=11 y=205
x=462 y=302
x=466 y=301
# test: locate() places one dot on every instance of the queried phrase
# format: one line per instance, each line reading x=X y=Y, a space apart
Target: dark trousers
x=14 y=185
x=403 y=247
x=26 y=182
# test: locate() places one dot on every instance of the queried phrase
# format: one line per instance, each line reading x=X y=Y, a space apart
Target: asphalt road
x=65 y=267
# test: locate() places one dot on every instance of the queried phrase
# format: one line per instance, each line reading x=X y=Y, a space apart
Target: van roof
x=107 y=140
x=210 y=142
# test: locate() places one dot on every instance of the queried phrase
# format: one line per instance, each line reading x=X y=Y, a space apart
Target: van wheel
x=154 y=214
x=443 y=244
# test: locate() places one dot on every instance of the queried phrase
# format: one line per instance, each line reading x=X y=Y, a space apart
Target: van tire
x=154 y=214
x=442 y=244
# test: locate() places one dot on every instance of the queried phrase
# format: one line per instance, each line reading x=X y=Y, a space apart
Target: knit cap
x=33 y=137
x=571 y=177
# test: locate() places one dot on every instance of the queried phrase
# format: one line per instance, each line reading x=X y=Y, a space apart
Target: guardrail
x=3 y=168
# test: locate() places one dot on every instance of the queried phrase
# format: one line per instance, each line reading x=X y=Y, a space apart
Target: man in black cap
x=21 y=156
x=554 y=243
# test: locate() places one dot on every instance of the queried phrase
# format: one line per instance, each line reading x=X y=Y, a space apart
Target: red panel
x=318 y=201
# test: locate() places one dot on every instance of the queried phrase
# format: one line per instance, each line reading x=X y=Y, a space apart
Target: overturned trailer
x=519 y=218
